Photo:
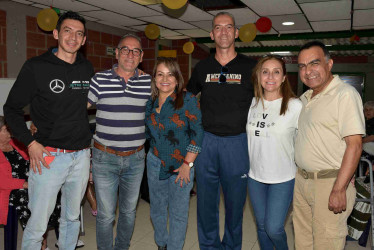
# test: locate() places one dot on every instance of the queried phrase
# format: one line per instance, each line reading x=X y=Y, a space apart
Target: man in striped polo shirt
x=120 y=95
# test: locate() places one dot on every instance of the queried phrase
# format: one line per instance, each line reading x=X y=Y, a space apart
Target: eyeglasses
x=125 y=51
x=222 y=77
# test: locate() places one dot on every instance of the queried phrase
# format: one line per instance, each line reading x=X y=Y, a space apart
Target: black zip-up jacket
x=57 y=94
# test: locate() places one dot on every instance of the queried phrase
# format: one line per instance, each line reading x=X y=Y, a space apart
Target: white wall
x=5 y=86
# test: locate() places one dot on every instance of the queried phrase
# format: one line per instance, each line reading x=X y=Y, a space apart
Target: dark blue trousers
x=11 y=230
x=223 y=162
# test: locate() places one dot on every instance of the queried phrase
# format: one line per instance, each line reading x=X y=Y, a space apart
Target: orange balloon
x=47 y=19
x=248 y=32
x=152 y=31
x=188 y=47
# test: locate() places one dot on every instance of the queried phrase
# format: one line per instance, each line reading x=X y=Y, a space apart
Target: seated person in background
x=14 y=172
x=368 y=140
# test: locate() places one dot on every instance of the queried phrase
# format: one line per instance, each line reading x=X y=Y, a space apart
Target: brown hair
x=285 y=88
x=175 y=70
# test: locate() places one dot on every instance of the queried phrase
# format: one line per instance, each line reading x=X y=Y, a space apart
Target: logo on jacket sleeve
x=57 y=86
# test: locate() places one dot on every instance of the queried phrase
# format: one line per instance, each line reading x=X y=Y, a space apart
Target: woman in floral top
x=174 y=128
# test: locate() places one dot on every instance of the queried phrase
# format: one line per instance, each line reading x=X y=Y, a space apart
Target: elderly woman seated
x=14 y=168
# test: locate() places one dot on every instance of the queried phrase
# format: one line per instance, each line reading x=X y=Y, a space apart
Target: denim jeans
x=110 y=173
x=68 y=172
x=270 y=204
x=166 y=194
x=223 y=162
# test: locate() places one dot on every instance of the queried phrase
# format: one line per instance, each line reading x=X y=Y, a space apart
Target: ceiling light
x=328 y=45
x=281 y=53
x=288 y=23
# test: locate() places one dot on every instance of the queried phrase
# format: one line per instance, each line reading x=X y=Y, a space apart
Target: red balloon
x=263 y=24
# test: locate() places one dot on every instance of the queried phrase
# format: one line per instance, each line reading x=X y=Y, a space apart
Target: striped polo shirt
x=120 y=108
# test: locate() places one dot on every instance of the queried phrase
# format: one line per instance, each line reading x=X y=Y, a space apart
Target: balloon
x=47 y=19
x=174 y=4
x=247 y=32
x=263 y=24
x=188 y=47
x=152 y=31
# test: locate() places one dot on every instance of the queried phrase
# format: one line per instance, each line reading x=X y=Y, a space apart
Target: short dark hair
x=308 y=45
x=130 y=35
x=70 y=15
x=223 y=13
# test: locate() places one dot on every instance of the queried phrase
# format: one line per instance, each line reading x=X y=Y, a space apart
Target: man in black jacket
x=55 y=85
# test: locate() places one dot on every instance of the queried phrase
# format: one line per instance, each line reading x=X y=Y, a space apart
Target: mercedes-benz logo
x=57 y=86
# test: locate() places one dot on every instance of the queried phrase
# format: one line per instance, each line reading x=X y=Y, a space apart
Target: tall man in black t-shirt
x=224 y=80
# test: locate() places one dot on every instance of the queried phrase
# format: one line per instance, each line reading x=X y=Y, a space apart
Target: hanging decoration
x=57 y=10
x=188 y=48
x=263 y=24
x=47 y=19
x=174 y=4
x=354 y=38
x=247 y=32
x=152 y=31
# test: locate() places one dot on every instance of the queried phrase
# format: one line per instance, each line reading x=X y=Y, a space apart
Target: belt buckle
x=305 y=174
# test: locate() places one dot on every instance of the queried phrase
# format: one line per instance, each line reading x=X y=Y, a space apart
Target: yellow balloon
x=47 y=19
x=188 y=47
x=248 y=32
x=174 y=4
x=152 y=31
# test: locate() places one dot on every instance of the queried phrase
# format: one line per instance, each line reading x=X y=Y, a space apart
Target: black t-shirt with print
x=224 y=106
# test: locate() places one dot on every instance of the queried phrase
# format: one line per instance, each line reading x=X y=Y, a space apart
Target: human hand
x=337 y=201
x=183 y=174
x=25 y=185
x=36 y=151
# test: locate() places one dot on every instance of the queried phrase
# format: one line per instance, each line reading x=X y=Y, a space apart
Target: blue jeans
x=166 y=194
x=110 y=173
x=68 y=172
x=223 y=161
x=270 y=204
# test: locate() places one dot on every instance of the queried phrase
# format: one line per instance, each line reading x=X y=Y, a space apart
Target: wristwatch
x=190 y=164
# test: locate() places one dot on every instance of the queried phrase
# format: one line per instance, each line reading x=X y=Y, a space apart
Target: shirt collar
x=115 y=75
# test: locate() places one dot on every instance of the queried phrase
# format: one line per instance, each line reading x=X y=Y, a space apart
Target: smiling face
x=165 y=80
x=71 y=36
x=128 y=63
x=314 y=70
x=224 y=32
x=271 y=77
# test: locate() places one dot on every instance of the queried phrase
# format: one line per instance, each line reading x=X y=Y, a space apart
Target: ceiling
x=333 y=22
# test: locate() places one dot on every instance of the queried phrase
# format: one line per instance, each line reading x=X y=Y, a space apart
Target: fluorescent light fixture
x=281 y=53
x=328 y=45
x=288 y=23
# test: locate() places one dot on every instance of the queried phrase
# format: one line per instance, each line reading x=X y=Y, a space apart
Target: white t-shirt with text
x=271 y=140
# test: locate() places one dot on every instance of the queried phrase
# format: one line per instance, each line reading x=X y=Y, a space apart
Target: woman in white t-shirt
x=271 y=129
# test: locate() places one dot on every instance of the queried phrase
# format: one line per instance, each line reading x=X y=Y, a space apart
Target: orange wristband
x=31 y=144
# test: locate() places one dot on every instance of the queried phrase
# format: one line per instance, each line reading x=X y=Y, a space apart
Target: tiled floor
x=143 y=233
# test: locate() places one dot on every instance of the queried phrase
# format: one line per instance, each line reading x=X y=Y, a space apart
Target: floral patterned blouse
x=173 y=133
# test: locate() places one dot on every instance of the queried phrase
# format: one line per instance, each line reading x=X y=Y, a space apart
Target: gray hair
x=223 y=13
x=2 y=121
x=130 y=35
x=369 y=105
